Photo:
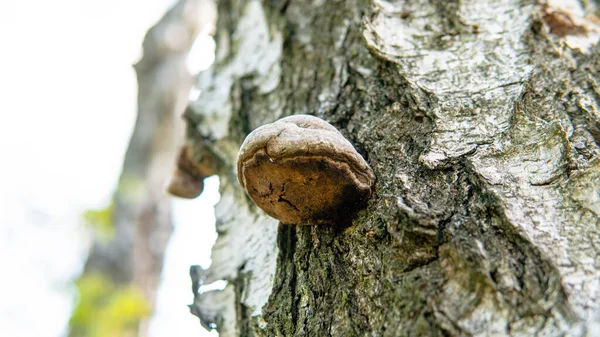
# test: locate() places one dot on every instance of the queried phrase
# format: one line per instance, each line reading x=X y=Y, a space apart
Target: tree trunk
x=131 y=258
x=482 y=126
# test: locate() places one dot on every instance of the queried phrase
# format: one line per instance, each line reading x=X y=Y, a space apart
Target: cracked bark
x=482 y=128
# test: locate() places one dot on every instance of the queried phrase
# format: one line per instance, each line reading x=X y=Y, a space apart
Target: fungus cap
x=302 y=171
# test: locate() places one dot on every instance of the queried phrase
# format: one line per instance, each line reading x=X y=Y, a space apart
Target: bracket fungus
x=193 y=165
x=302 y=171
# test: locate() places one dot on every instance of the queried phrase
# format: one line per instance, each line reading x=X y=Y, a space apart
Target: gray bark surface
x=482 y=127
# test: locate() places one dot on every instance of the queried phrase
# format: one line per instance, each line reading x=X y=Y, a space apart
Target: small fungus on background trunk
x=302 y=171
x=193 y=165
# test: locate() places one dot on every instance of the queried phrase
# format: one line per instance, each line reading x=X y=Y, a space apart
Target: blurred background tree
x=117 y=289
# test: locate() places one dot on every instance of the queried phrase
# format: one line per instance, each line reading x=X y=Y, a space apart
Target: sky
x=67 y=108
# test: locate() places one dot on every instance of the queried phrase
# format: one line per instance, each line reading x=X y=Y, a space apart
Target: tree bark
x=482 y=126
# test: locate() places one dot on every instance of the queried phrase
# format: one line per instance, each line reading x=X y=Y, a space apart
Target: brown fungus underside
x=193 y=165
x=302 y=171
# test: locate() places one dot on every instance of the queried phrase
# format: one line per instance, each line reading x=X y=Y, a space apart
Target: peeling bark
x=482 y=127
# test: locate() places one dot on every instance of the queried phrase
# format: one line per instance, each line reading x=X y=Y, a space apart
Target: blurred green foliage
x=101 y=221
x=106 y=309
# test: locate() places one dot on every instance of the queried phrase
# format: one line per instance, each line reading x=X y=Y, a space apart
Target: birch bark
x=481 y=120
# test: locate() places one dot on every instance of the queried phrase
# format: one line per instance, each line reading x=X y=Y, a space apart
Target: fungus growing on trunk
x=193 y=165
x=302 y=171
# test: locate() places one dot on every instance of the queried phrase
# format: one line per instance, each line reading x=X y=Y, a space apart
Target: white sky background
x=67 y=108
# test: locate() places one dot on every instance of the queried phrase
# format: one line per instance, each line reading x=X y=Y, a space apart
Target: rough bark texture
x=142 y=210
x=482 y=127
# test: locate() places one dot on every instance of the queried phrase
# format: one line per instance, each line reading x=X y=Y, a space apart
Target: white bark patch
x=588 y=22
x=257 y=53
x=255 y=254
x=524 y=169
x=480 y=67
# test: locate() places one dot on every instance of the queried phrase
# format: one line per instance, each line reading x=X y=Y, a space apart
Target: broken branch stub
x=302 y=171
